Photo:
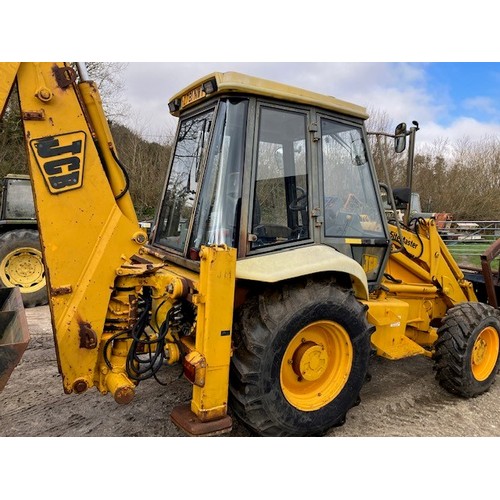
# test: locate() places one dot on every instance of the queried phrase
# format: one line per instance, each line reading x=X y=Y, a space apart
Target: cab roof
x=240 y=83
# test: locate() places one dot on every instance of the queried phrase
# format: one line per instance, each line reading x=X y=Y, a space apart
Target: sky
x=409 y=61
x=449 y=100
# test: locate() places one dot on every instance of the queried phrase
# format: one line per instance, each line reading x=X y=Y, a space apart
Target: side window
x=280 y=207
x=218 y=211
x=350 y=197
x=19 y=201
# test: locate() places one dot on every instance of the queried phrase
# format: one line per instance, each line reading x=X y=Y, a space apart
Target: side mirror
x=400 y=138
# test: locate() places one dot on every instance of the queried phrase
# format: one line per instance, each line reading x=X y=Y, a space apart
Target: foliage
x=462 y=179
x=146 y=164
x=12 y=149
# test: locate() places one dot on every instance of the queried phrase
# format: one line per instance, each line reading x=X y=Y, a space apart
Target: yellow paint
x=428 y=262
x=94 y=282
x=8 y=72
x=213 y=332
x=485 y=353
x=82 y=247
x=316 y=365
x=236 y=82
x=390 y=316
x=370 y=263
x=419 y=287
x=23 y=268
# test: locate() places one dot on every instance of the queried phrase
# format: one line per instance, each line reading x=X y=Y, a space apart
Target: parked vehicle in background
x=21 y=263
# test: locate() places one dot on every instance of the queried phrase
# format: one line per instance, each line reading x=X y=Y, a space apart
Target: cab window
x=280 y=204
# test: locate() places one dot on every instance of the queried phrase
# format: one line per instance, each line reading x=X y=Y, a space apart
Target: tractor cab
x=267 y=168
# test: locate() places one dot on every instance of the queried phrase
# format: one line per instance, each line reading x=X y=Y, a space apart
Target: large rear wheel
x=467 y=350
x=21 y=265
x=301 y=359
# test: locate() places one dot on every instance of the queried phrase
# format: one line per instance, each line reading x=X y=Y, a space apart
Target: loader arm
x=426 y=261
x=421 y=283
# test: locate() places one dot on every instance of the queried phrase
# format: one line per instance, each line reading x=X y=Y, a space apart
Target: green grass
x=468 y=254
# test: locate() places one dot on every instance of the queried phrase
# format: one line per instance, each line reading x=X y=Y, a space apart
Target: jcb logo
x=61 y=160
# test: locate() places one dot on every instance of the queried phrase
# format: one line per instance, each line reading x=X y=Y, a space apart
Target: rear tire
x=21 y=265
x=301 y=359
x=467 y=350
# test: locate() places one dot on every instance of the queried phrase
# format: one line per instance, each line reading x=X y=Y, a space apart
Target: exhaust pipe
x=14 y=334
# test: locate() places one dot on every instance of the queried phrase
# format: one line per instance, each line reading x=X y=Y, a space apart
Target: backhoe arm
x=113 y=298
x=8 y=72
x=88 y=227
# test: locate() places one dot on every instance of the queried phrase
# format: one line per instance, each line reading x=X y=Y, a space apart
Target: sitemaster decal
x=61 y=160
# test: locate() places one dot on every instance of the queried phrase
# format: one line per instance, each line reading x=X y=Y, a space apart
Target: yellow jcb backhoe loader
x=272 y=274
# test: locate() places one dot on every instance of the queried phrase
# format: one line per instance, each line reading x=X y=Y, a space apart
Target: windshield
x=215 y=220
x=178 y=202
x=217 y=215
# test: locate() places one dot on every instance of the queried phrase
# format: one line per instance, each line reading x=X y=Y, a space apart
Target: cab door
x=351 y=212
x=281 y=191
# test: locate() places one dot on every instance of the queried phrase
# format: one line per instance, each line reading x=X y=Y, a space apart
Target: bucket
x=14 y=334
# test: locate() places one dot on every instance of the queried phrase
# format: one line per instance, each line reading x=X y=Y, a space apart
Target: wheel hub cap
x=479 y=350
x=23 y=268
x=310 y=361
x=485 y=353
x=316 y=365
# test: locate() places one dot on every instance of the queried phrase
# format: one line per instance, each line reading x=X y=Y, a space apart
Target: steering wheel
x=300 y=202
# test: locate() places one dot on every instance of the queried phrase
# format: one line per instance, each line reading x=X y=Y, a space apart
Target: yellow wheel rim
x=23 y=268
x=316 y=365
x=485 y=353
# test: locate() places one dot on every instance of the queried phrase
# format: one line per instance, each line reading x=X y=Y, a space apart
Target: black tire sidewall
x=274 y=401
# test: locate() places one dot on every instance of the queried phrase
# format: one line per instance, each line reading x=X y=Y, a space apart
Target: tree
x=12 y=149
x=382 y=148
x=108 y=78
x=146 y=164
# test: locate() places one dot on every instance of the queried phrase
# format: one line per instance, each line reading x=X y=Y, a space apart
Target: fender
x=302 y=261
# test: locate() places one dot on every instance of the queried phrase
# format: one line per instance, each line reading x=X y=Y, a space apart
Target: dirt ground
x=402 y=399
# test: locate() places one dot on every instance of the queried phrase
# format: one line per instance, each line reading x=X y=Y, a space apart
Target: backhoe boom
x=86 y=233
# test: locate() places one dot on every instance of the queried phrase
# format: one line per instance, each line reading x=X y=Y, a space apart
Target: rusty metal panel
x=14 y=334
x=489 y=280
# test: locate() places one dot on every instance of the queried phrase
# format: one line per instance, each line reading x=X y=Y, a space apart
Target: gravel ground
x=402 y=400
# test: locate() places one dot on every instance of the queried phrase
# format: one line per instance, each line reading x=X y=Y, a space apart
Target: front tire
x=301 y=359
x=21 y=265
x=467 y=350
